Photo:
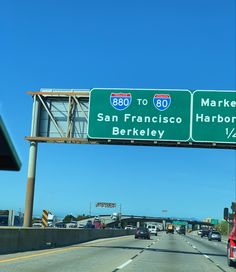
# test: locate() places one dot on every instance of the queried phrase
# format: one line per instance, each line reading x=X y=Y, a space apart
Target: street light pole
x=164 y=221
x=90 y=208
x=120 y=216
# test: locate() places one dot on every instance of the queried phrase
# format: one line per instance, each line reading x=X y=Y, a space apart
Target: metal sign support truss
x=75 y=100
x=42 y=102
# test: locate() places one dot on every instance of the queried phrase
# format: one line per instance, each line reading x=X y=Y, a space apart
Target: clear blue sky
x=134 y=44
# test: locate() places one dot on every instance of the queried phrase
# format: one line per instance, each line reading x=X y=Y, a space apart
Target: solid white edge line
x=124 y=264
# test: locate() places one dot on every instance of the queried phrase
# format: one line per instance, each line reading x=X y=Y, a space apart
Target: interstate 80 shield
x=120 y=101
x=162 y=101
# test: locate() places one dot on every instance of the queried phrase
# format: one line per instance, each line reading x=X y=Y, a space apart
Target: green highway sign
x=134 y=114
x=214 y=116
x=163 y=115
x=214 y=221
x=182 y=223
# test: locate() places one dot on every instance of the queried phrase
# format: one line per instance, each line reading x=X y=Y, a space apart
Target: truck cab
x=231 y=245
x=170 y=228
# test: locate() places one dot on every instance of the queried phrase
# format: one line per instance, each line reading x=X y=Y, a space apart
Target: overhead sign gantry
x=130 y=116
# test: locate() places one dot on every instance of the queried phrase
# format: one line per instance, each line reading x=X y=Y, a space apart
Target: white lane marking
x=194 y=247
x=206 y=256
x=124 y=264
x=130 y=260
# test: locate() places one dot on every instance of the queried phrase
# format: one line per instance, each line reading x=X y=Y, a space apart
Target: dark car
x=182 y=230
x=60 y=225
x=142 y=233
x=214 y=235
x=89 y=225
x=205 y=232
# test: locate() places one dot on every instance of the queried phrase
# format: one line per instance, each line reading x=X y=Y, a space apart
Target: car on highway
x=142 y=233
x=205 y=232
x=72 y=224
x=89 y=225
x=199 y=232
x=214 y=235
x=129 y=227
x=37 y=225
x=60 y=224
x=181 y=230
x=152 y=229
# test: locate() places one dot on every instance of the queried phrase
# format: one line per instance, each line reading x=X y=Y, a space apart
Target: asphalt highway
x=165 y=252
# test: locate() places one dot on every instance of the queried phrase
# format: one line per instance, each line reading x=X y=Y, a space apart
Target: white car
x=129 y=227
x=37 y=225
x=152 y=229
x=199 y=232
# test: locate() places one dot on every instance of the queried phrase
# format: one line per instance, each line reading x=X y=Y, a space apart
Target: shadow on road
x=158 y=250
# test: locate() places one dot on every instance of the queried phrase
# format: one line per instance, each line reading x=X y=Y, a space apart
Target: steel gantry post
x=29 y=200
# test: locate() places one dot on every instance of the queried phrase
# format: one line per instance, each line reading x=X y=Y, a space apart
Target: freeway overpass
x=137 y=220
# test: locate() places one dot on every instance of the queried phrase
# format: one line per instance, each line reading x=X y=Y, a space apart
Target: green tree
x=222 y=227
x=82 y=217
x=68 y=218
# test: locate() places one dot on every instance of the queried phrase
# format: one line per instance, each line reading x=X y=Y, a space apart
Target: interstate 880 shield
x=120 y=101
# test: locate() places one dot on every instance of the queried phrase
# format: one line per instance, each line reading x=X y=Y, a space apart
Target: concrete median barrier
x=25 y=239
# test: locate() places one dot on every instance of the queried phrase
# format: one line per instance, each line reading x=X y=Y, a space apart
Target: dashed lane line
x=124 y=264
x=206 y=256
x=132 y=258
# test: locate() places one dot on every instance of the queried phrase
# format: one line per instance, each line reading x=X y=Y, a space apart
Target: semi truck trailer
x=231 y=245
